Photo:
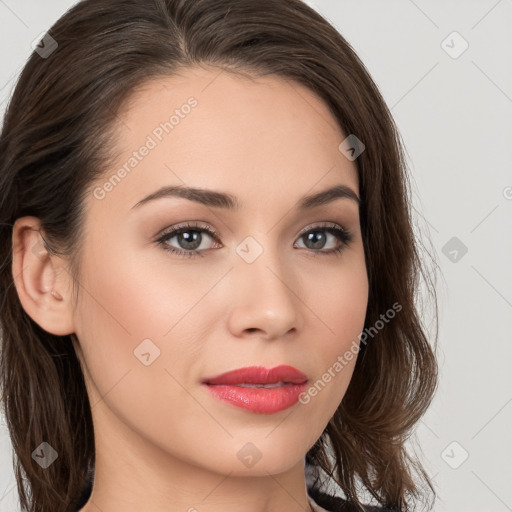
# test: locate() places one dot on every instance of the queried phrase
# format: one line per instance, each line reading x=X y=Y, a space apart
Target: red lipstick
x=258 y=389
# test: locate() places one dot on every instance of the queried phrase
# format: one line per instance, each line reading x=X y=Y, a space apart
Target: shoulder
x=338 y=504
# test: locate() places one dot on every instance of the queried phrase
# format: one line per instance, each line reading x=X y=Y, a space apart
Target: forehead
x=211 y=128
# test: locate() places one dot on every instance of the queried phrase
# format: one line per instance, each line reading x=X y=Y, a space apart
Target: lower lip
x=258 y=400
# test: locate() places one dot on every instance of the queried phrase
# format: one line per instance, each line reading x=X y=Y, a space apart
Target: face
x=262 y=282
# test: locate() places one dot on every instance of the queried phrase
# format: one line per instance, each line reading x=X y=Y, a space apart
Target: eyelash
x=343 y=235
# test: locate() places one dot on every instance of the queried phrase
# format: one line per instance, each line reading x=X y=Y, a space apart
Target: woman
x=209 y=269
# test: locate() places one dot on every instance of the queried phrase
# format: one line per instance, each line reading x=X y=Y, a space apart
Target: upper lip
x=259 y=375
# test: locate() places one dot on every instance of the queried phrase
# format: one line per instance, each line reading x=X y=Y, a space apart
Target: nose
x=265 y=297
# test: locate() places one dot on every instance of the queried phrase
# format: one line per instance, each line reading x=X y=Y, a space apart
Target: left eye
x=190 y=237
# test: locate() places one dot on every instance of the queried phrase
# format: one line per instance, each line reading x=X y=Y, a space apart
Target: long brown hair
x=57 y=139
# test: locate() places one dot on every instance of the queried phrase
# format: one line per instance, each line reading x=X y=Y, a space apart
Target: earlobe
x=41 y=283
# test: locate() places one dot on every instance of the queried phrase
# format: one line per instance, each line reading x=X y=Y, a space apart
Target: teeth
x=277 y=384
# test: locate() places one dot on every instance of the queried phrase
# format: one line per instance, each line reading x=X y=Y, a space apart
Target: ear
x=41 y=279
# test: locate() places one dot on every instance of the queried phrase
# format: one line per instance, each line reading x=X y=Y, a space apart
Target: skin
x=162 y=442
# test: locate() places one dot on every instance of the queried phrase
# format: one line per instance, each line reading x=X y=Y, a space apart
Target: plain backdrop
x=445 y=71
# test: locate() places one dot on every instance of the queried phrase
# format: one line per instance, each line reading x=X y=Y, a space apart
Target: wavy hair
x=58 y=137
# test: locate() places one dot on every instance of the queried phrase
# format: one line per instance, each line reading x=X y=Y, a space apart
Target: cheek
x=131 y=308
x=345 y=308
x=340 y=313
x=136 y=339
x=135 y=297
x=338 y=296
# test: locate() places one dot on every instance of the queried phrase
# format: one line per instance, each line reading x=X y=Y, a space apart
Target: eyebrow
x=228 y=201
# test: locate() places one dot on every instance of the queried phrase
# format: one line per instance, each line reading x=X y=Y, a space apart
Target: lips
x=258 y=389
x=259 y=376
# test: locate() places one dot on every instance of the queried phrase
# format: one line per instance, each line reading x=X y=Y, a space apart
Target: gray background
x=454 y=112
